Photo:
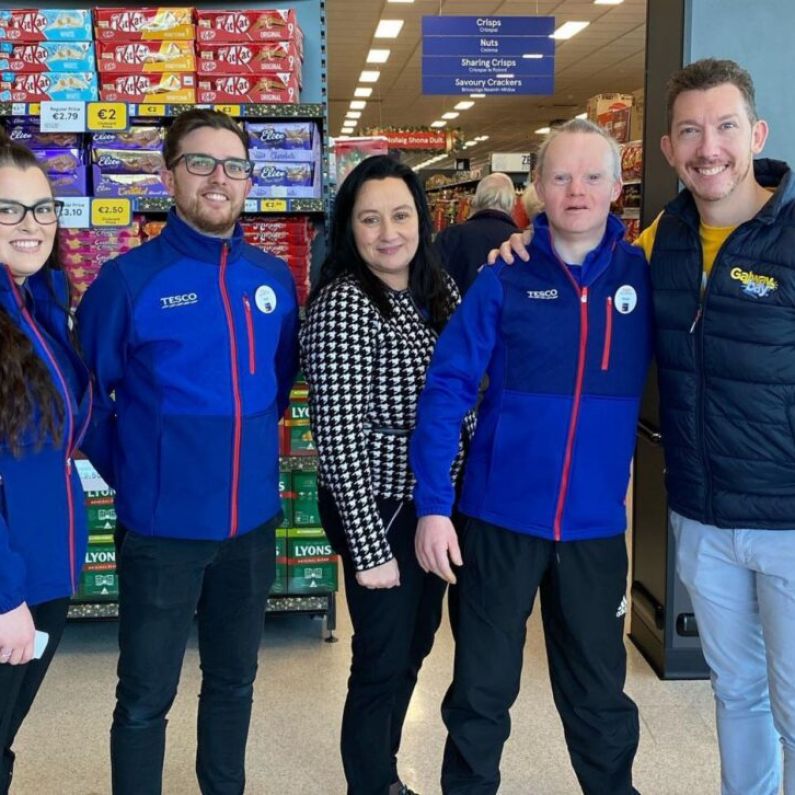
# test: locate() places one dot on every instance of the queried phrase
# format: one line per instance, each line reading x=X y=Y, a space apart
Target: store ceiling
x=607 y=56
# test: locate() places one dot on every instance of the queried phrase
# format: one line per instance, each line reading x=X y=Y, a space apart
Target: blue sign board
x=487 y=65
x=495 y=26
x=488 y=45
x=488 y=55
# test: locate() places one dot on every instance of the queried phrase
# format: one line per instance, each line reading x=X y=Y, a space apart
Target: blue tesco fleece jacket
x=43 y=528
x=196 y=337
x=566 y=365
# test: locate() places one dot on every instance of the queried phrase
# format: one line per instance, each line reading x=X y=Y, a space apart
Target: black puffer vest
x=726 y=362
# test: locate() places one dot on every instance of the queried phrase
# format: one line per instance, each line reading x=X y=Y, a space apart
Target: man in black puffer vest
x=722 y=260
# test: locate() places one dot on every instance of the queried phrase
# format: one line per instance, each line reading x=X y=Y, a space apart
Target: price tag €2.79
x=59 y=117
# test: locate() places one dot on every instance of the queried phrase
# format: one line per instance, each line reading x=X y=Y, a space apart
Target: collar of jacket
x=769 y=174
x=39 y=284
x=596 y=261
x=199 y=246
x=494 y=214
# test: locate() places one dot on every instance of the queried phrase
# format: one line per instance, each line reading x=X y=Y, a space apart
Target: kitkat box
x=156 y=87
x=236 y=26
x=42 y=86
x=52 y=24
x=143 y=24
x=47 y=56
x=146 y=56
x=274 y=87
x=249 y=58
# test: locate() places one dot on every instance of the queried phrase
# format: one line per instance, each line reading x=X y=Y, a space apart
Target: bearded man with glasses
x=194 y=336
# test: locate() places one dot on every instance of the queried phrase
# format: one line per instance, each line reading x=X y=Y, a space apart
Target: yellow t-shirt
x=712 y=238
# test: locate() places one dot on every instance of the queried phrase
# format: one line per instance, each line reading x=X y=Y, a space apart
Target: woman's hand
x=17 y=635
x=387 y=575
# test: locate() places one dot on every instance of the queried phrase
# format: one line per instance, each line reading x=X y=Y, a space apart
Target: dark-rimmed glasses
x=203 y=165
x=44 y=212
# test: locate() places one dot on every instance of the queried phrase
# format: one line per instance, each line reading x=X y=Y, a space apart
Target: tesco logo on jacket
x=173 y=301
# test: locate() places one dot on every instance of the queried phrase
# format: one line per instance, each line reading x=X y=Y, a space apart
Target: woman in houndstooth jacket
x=373 y=320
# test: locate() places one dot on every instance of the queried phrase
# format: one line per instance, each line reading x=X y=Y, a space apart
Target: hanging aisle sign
x=488 y=55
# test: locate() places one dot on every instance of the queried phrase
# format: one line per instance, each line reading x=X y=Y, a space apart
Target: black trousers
x=163 y=583
x=19 y=684
x=582 y=586
x=393 y=633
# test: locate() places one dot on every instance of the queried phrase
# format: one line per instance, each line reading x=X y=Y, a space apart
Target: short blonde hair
x=580 y=126
x=531 y=202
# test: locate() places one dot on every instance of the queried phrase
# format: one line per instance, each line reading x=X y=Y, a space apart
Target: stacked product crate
x=249 y=56
x=46 y=55
x=98 y=580
x=309 y=564
x=146 y=54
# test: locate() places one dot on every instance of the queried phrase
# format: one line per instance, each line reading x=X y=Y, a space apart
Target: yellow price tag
x=273 y=206
x=111 y=212
x=229 y=110
x=151 y=110
x=34 y=109
x=106 y=116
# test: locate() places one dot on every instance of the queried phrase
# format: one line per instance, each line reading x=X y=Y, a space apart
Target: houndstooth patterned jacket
x=365 y=374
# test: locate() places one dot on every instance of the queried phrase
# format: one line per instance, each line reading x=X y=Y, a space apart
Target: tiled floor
x=62 y=748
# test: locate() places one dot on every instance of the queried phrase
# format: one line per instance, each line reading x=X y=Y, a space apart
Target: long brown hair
x=27 y=393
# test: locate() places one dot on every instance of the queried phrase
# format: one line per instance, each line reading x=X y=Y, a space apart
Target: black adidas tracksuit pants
x=582 y=586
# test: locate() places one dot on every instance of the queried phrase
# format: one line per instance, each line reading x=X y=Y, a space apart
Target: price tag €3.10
x=76 y=212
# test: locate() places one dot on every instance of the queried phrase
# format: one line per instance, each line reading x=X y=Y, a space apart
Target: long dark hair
x=27 y=393
x=426 y=280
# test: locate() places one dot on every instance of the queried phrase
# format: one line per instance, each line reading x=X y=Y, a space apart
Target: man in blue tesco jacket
x=565 y=341
x=194 y=334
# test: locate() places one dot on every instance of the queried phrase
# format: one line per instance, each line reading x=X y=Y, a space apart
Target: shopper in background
x=463 y=247
x=566 y=343
x=531 y=204
x=45 y=400
x=195 y=334
x=373 y=320
x=721 y=258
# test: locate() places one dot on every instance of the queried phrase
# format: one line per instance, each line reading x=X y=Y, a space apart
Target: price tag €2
x=106 y=116
x=63 y=117
x=111 y=212
x=76 y=213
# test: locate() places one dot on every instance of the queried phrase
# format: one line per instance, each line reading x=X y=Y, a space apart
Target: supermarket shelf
x=143 y=204
x=467 y=183
x=324 y=604
x=314 y=111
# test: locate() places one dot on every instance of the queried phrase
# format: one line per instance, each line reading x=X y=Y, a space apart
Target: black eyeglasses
x=204 y=165
x=44 y=212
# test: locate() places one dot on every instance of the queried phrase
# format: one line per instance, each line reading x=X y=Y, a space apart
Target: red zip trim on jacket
x=582 y=294
x=69 y=436
x=252 y=351
x=238 y=430
x=575 y=410
x=608 y=332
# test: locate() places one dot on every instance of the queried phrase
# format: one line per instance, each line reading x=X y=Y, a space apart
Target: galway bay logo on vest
x=754 y=284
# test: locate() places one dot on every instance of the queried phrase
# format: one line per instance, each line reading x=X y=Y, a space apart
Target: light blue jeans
x=742 y=585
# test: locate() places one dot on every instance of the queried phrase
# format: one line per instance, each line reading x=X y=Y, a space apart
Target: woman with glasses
x=45 y=400
x=374 y=316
